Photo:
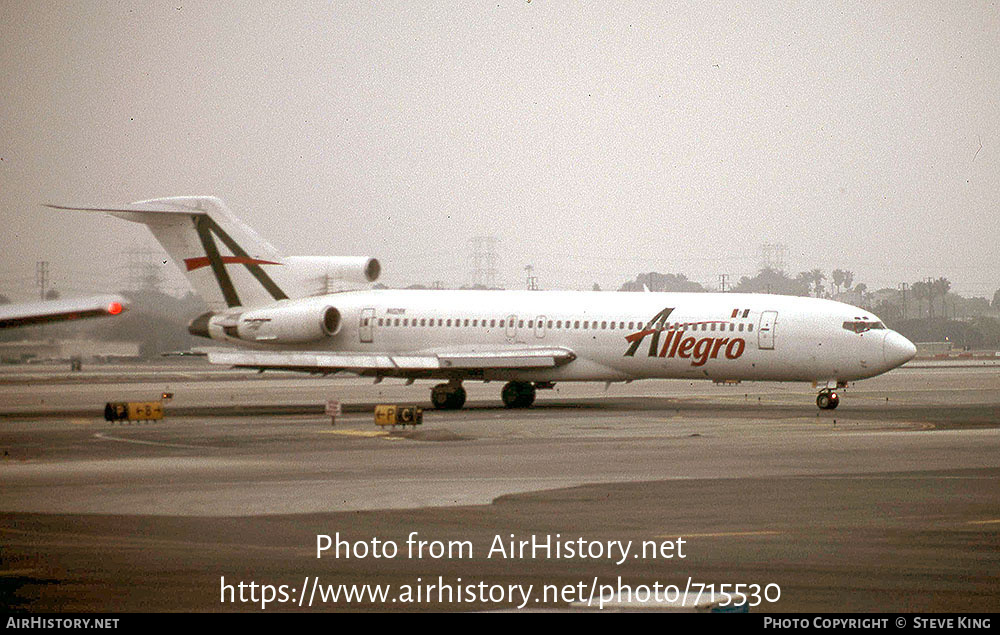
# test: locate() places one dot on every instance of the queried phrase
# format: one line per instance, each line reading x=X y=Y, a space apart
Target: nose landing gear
x=827 y=399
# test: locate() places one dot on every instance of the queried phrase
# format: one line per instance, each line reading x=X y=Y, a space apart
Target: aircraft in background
x=289 y=313
x=28 y=313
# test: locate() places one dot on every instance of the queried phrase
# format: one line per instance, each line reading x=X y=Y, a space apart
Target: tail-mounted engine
x=319 y=275
x=290 y=323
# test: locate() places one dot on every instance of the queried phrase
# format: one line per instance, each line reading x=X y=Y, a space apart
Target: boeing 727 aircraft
x=286 y=313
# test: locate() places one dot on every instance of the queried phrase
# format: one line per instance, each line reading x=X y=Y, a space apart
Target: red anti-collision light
x=114 y=308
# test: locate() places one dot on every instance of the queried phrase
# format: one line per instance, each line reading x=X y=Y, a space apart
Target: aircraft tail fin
x=205 y=240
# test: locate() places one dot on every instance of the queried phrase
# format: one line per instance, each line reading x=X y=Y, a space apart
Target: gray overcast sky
x=596 y=140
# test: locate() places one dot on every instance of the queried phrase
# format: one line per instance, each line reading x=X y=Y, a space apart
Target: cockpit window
x=859 y=325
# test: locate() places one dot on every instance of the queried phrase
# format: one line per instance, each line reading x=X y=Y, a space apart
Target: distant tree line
x=661 y=282
x=924 y=311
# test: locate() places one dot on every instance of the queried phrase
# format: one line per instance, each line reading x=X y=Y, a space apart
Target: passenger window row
x=561 y=324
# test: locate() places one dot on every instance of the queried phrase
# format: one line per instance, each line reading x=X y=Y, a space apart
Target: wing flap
x=546 y=357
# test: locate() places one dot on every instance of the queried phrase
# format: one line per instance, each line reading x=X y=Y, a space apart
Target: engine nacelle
x=315 y=273
x=290 y=324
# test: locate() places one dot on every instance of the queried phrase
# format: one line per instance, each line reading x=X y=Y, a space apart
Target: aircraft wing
x=24 y=314
x=395 y=364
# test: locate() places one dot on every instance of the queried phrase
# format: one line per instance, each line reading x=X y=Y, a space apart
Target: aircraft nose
x=897 y=350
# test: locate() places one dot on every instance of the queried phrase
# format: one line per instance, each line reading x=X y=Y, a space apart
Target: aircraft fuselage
x=614 y=336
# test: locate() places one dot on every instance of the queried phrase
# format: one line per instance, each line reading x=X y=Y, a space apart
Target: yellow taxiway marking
x=995 y=521
x=140 y=541
x=357 y=433
x=13 y=572
x=722 y=534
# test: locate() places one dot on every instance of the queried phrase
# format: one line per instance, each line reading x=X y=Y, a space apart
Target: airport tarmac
x=889 y=503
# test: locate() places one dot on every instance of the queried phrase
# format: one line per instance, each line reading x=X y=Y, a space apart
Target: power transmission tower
x=484 y=257
x=532 y=281
x=144 y=274
x=42 y=277
x=773 y=256
x=722 y=281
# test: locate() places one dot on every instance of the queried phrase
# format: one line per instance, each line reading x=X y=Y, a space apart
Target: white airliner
x=28 y=313
x=287 y=313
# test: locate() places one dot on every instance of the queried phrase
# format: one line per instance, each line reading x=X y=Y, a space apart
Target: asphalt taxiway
x=889 y=503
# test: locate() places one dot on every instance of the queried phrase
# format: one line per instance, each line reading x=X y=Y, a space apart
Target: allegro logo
x=699 y=351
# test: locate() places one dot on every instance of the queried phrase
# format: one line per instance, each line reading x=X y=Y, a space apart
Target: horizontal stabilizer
x=227 y=263
x=124 y=212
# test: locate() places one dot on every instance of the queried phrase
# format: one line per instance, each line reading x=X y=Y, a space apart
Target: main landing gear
x=518 y=394
x=515 y=394
x=450 y=396
x=827 y=399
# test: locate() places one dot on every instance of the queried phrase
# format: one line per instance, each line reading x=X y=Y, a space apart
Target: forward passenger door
x=765 y=330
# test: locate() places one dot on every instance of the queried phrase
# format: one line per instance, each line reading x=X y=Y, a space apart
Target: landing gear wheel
x=448 y=396
x=518 y=394
x=457 y=397
x=827 y=400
